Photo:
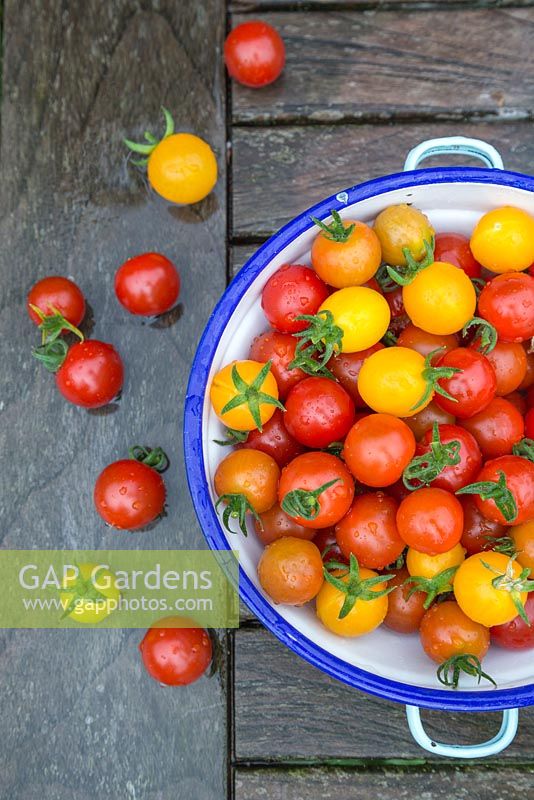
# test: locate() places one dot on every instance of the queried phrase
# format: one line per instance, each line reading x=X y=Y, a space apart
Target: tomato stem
x=304 y=502
x=153 y=457
x=507 y=582
x=497 y=491
x=403 y=276
x=355 y=588
x=317 y=343
x=485 y=334
x=432 y=587
x=463 y=662
x=51 y=355
x=251 y=394
x=81 y=589
x=336 y=231
x=233 y=437
x=432 y=375
x=52 y=325
x=236 y=507
x=422 y=470
x=384 y=280
x=147 y=149
x=524 y=449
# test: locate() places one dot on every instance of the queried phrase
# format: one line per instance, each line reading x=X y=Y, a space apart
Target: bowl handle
x=493 y=746
x=447 y=145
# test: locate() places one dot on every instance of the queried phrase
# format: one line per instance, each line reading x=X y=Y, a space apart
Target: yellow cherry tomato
x=476 y=593
x=249 y=392
x=399 y=227
x=345 y=252
x=391 y=382
x=503 y=240
x=523 y=537
x=362 y=314
x=427 y=566
x=365 y=615
x=91 y=593
x=440 y=299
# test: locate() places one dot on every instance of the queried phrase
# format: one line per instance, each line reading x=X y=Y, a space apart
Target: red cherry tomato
x=147 y=285
x=292 y=290
x=529 y=424
x=516 y=635
x=453 y=477
x=310 y=472
x=479 y=533
x=453 y=248
x=369 y=531
x=424 y=420
x=56 y=293
x=346 y=368
x=318 y=412
x=254 y=53
x=425 y=343
x=446 y=632
x=507 y=302
x=528 y=380
x=405 y=610
x=275 y=523
x=496 y=428
x=175 y=656
x=519 y=476
x=518 y=401
x=279 y=349
x=378 y=448
x=472 y=388
x=509 y=362
x=430 y=520
x=275 y=440
x=129 y=494
x=395 y=303
x=91 y=375
x=326 y=541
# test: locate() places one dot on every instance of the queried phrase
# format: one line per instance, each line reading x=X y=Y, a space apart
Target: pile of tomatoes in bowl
x=380 y=434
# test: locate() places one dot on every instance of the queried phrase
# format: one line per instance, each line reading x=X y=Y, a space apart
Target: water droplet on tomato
x=136 y=505
x=123 y=490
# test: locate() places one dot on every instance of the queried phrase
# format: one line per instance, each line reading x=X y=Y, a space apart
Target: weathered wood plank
x=348 y=65
x=287 y=709
x=243 y=6
x=80 y=718
x=279 y=172
x=332 y=784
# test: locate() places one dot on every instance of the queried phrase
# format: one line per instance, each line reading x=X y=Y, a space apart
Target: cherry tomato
x=175 y=656
x=77 y=592
x=529 y=424
x=528 y=380
x=399 y=227
x=362 y=314
x=440 y=299
x=425 y=343
x=405 y=610
x=479 y=533
x=290 y=571
x=249 y=473
x=516 y=634
x=391 y=381
x=430 y=520
x=345 y=253
x=147 y=285
x=496 y=428
x=56 y=293
x=364 y=616
x=369 y=530
x=446 y=631
x=129 y=494
x=346 y=368
x=91 y=375
x=518 y=401
x=472 y=388
x=293 y=290
x=509 y=362
x=318 y=412
x=396 y=304
x=503 y=240
x=518 y=473
x=254 y=53
x=451 y=477
x=424 y=420
x=275 y=440
x=453 y=248
x=523 y=537
x=507 y=302
x=275 y=523
x=378 y=448
x=476 y=592
x=250 y=382
x=279 y=349
x=308 y=474
x=427 y=566
x=326 y=541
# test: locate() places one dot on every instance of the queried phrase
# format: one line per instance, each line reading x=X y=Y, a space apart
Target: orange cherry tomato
x=275 y=523
x=378 y=448
x=290 y=571
x=345 y=253
x=446 y=632
x=430 y=520
x=405 y=608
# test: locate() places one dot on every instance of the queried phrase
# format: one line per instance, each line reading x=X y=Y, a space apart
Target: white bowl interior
x=450 y=207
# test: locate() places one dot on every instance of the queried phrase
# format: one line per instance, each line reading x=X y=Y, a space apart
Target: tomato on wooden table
x=275 y=523
x=345 y=252
x=447 y=457
x=290 y=571
x=405 y=608
x=275 y=440
x=279 y=349
x=318 y=412
x=430 y=520
x=346 y=368
x=147 y=285
x=56 y=294
x=507 y=302
x=174 y=655
x=471 y=388
x=504 y=490
x=496 y=428
x=91 y=375
x=516 y=634
x=369 y=531
x=509 y=362
x=453 y=248
x=254 y=53
x=378 y=448
x=479 y=533
x=316 y=489
x=294 y=290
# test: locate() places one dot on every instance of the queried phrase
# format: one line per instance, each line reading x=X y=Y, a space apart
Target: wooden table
x=364 y=82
